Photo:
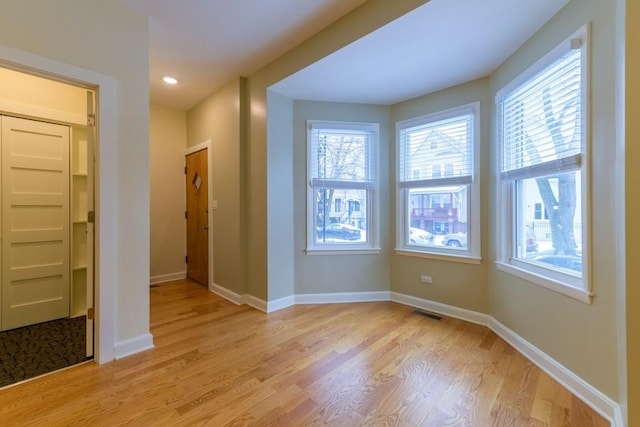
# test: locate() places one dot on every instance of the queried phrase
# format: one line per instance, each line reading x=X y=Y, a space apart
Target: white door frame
x=105 y=180
x=208 y=144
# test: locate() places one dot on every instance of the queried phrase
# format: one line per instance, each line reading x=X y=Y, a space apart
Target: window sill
x=465 y=259
x=345 y=251
x=554 y=285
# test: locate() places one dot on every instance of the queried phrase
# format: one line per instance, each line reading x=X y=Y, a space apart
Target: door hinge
x=185 y=170
x=91 y=120
x=91 y=217
x=186 y=215
x=186 y=259
x=91 y=313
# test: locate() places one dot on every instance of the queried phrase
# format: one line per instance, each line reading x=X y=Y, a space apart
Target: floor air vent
x=428 y=314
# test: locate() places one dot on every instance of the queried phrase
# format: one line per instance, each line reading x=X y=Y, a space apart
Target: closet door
x=35 y=222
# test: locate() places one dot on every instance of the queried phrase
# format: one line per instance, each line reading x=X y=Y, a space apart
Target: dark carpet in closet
x=38 y=349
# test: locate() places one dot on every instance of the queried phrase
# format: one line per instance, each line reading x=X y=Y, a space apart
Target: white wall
x=168 y=142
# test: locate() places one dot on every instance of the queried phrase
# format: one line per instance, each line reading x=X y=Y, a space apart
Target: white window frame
x=564 y=283
x=372 y=208
x=472 y=253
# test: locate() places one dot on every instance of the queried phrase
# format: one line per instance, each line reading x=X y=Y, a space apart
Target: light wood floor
x=365 y=364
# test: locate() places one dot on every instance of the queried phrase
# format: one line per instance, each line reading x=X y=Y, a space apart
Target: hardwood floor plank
x=369 y=364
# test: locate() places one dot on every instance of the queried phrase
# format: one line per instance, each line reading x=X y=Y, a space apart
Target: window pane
x=555 y=241
x=438 y=217
x=437 y=149
x=341 y=155
x=542 y=118
x=339 y=223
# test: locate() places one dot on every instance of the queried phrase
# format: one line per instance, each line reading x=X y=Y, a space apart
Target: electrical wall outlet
x=426 y=279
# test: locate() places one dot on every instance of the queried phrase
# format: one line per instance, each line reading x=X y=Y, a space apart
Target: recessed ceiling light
x=169 y=80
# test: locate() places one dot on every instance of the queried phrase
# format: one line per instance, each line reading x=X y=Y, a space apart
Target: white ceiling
x=207 y=43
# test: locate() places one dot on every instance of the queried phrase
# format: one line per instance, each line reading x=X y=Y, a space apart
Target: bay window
x=543 y=171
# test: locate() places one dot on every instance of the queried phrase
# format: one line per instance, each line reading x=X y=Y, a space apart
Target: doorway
x=46 y=302
x=199 y=199
x=197 y=216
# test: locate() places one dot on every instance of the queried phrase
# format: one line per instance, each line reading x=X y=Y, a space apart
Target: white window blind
x=436 y=153
x=341 y=156
x=541 y=121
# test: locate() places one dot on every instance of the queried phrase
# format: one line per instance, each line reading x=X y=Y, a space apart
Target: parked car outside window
x=339 y=231
x=455 y=240
x=420 y=237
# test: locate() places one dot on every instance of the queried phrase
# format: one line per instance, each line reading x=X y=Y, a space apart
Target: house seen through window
x=436 y=182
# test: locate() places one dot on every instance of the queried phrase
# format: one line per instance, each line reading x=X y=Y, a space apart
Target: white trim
x=198 y=147
x=244 y=299
x=619 y=420
x=549 y=58
x=227 y=294
x=594 y=398
x=281 y=303
x=133 y=345
x=444 y=309
x=351 y=250
x=546 y=282
x=208 y=145
x=26 y=110
x=106 y=182
x=465 y=259
x=256 y=303
x=342 y=297
x=163 y=278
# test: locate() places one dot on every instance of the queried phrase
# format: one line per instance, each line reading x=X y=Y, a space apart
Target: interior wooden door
x=35 y=222
x=197 y=216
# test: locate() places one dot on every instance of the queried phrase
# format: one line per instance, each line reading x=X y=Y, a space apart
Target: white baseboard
x=238 y=299
x=597 y=400
x=341 y=297
x=227 y=294
x=133 y=345
x=619 y=420
x=256 y=303
x=444 y=309
x=162 y=278
x=281 y=303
